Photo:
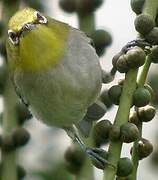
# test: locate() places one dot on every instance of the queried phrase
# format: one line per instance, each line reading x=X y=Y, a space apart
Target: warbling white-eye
x=54 y=69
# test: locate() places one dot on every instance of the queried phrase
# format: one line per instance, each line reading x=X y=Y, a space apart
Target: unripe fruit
x=35 y=4
x=129 y=133
x=101 y=39
x=75 y=158
x=137 y=6
x=105 y=99
x=115 y=93
x=20 y=137
x=154 y=54
x=114 y=133
x=133 y=118
x=96 y=111
x=121 y=64
x=102 y=153
x=115 y=59
x=146 y=113
x=124 y=167
x=144 y=24
x=21 y=172
x=144 y=148
x=68 y=5
x=152 y=37
x=141 y=97
x=86 y=6
x=150 y=89
x=107 y=77
x=135 y=57
x=101 y=132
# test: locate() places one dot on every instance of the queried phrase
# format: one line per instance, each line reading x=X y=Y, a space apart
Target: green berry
x=144 y=148
x=150 y=89
x=68 y=5
x=146 y=113
x=101 y=132
x=133 y=118
x=21 y=172
x=137 y=6
x=115 y=59
x=129 y=132
x=105 y=99
x=152 y=37
x=114 y=133
x=154 y=54
x=124 y=167
x=144 y=24
x=135 y=57
x=115 y=93
x=35 y=4
x=101 y=39
x=96 y=111
x=141 y=97
x=121 y=64
x=20 y=137
x=86 y=6
x=75 y=158
x=107 y=77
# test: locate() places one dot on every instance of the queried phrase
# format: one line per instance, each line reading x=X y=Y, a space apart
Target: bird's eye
x=13 y=37
x=41 y=19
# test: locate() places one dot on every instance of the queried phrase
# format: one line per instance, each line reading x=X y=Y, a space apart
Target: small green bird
x=54 y=68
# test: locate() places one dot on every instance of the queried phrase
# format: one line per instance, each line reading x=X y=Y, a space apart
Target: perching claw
x=138 y=42
x=93 y=153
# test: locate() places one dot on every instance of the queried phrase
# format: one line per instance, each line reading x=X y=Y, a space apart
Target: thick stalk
x=87 y=22
x=121 y=118
x=10 y=100
x=150 y=8
x=125 y=101
x=87 y=25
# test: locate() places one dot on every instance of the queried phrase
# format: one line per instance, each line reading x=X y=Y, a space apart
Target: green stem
x=9 y=171
x=87 y=22
x=121 y=118
x=87 y=25
x=126 y=100
x=141 y=80
x=150 y=8
x=9 y=123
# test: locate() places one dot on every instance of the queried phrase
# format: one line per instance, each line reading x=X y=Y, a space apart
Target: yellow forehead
x=22 y=17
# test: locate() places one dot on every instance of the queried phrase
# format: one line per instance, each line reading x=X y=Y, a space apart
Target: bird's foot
x=138 y=42
x=98 y=157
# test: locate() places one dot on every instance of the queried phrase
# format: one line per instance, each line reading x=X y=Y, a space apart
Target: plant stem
x=121 y=118
x=150 y=8
x=9 y=171
x=87 y=22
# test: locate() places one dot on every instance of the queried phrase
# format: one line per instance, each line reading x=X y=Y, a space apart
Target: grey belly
x=61 y=95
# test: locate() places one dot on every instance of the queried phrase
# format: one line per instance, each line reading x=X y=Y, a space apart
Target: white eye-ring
x=13 y=37
x=41 y=19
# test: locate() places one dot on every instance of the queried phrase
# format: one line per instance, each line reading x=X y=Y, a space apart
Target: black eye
x=13 y=37
x=41 y=19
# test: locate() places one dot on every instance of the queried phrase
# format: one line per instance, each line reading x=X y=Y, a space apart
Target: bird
x=55 y=71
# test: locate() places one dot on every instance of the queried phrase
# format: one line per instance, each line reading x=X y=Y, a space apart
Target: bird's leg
x=93 y=153
x=138 y=42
